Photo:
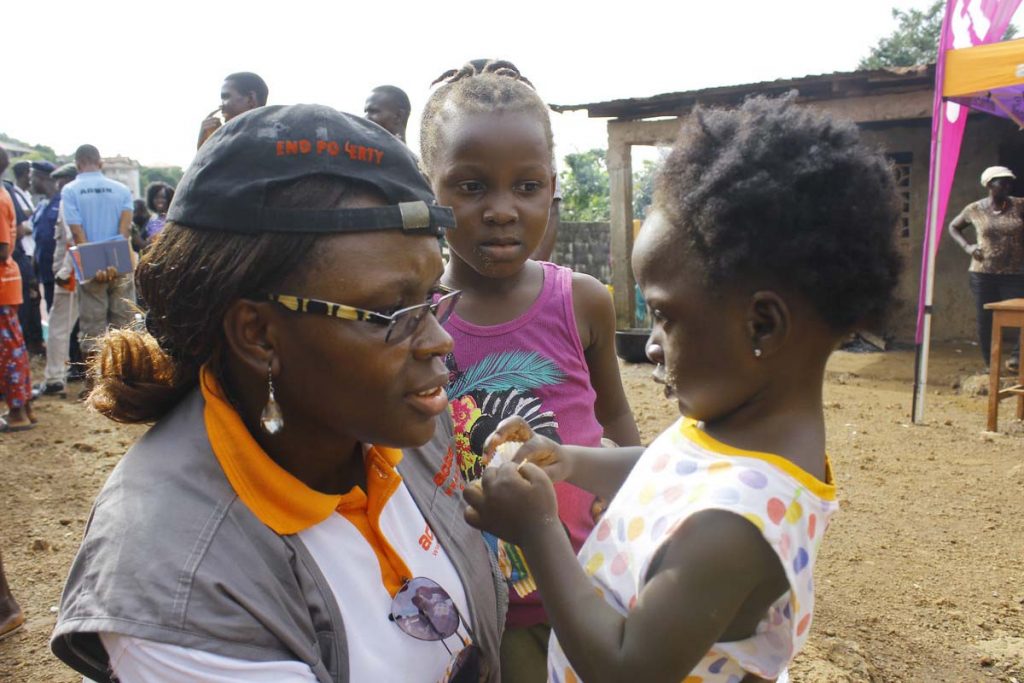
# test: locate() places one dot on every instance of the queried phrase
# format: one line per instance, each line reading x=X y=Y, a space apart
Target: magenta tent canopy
x=1006 y=102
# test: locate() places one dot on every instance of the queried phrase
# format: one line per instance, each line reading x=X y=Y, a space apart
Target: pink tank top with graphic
x=533 y=367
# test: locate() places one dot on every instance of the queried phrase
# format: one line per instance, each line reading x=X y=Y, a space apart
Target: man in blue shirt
x=44 y=221
x=97 y=208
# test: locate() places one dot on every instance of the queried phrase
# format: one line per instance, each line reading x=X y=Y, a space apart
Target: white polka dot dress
x=684 y=472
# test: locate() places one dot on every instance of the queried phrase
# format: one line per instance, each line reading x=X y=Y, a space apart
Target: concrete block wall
x=585 y=248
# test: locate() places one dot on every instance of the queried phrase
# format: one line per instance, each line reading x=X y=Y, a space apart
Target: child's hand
x=539 y=450
x=513 y=502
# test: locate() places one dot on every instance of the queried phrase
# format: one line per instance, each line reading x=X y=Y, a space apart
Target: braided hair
x=480 y=85
x=485 y=65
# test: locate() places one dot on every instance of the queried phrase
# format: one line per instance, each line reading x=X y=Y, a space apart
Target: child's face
x=495 y=172
x=700 y=340
x=160 y=201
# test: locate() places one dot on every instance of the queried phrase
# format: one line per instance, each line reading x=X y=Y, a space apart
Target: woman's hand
x=977 y=253
x=550 y=456
x=513 y=502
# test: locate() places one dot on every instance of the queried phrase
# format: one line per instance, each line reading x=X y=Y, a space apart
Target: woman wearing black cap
x=997 y=256
x=267 y=528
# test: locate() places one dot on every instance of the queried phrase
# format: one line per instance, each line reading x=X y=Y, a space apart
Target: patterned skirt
x=15 y=381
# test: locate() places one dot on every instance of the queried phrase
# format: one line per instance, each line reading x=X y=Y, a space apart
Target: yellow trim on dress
x=825 y=490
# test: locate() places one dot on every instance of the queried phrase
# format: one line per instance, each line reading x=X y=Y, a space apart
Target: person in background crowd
x=140 y=216
x=240 y=92
x=97 y=208
x=24 y=249
x=62 y=344
x=546 y=248
x=158 y=198
x=22 y=191
x=997 y=256
x=44 y=222
x=15 y=381
x=21 y=187
x=388 y=106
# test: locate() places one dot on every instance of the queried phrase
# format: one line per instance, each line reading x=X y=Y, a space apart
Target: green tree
x=45 y=152
x=162 y=174
x=37 y=153
x=643 y=189
x=915 y=40
x=585 y=187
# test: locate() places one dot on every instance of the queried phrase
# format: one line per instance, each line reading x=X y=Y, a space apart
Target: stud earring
x=271 y=419
x=757 y=353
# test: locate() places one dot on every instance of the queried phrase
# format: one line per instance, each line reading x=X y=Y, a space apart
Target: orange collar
x=276 y=497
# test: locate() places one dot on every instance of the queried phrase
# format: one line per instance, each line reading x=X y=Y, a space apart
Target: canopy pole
x=930 y=255
x=1005 y=110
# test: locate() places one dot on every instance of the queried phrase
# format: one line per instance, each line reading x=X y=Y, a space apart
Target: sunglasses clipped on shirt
x=401 y=324
x=425 y=611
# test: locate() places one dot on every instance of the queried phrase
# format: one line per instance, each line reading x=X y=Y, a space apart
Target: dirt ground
x=920 y=577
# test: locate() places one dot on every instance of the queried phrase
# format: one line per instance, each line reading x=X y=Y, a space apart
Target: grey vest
x=171 y=554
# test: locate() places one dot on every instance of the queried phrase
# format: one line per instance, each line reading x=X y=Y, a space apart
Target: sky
x=136 y=78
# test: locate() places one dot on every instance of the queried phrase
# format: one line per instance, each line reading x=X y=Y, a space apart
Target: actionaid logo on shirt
x=370 y=155
x=95 y=190
x=427 y=541
x=443 y=478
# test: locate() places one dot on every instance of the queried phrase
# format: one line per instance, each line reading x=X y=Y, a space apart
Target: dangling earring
x=757 y=354
x=271 y=418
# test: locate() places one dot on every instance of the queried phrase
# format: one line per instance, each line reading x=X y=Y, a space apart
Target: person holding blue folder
x=97 y=209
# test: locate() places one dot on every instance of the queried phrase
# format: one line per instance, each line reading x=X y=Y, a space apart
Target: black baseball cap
x=225 y=187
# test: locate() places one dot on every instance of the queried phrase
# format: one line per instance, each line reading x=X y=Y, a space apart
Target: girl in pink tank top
x=532 y=339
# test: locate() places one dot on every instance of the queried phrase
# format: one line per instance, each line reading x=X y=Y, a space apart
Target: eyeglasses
x=425 y=611
x=401 y=324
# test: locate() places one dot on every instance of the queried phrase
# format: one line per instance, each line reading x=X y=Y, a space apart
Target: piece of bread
x=504 y=453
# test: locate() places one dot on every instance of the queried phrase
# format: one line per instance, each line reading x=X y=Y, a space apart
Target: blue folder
x=92 y=257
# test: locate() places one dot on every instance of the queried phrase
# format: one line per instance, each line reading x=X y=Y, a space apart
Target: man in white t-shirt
x=29 y=315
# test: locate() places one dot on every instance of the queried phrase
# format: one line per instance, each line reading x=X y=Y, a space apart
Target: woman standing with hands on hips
x=997 y=257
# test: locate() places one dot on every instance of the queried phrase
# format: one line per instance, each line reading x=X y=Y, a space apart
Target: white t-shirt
x=28 y=243
x=377 y=649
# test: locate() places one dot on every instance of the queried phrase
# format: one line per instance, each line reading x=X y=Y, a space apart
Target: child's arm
x=595 y=318
x=598 y=470
x=708 y=571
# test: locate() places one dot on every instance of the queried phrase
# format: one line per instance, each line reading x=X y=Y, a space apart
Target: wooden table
x=1009 y=313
